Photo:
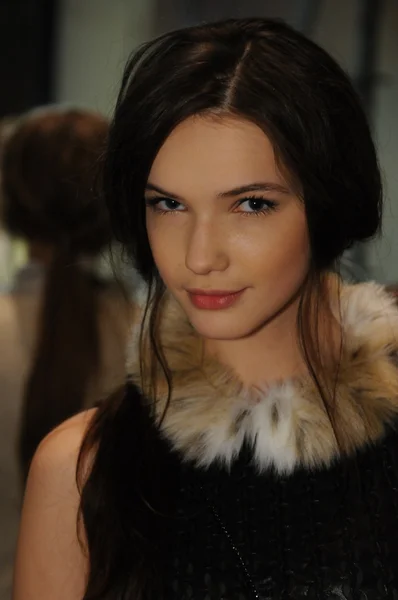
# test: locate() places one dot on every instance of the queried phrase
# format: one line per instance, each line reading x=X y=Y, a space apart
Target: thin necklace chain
x=249 y=581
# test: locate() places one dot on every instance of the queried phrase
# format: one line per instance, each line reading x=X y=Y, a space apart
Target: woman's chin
x=218 y=325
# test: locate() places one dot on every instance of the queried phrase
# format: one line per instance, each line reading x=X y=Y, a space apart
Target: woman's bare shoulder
x=57 y=455
x=64 y=442
x=51 y=558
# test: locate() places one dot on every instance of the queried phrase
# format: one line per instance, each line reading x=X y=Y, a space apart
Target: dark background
x=27 y=51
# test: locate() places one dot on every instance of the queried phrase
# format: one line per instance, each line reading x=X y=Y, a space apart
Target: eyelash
x=271 y=206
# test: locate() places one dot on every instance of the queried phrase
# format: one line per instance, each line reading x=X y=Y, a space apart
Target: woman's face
x=228 y=235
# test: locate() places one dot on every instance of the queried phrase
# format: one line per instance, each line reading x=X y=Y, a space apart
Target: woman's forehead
x=216 y=155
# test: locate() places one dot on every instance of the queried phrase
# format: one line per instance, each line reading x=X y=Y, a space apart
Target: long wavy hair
x=49 y=170
x=263 y=71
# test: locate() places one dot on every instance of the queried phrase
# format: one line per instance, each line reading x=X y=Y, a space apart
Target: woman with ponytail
x=253 y=451
x=50 y=173
x=69 y=324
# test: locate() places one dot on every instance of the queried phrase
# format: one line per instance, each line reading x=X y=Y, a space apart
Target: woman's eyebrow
x=243 y=189
x=256 y=187
x=155 y=188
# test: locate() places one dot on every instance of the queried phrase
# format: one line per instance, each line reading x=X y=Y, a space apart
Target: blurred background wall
x=95 y=38
x=27 y=53
x=83 y=46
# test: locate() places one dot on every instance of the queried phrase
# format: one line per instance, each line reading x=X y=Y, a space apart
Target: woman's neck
x=273 y=353
x=270 y=354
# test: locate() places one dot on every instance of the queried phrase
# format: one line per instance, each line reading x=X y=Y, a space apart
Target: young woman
x=254 y=451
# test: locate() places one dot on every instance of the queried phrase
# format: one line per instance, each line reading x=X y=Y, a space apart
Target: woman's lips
x=213 y=299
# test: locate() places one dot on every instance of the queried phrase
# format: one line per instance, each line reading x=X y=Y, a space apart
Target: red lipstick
x=213 y=299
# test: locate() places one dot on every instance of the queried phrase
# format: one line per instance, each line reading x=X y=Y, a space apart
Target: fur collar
x=211 y=414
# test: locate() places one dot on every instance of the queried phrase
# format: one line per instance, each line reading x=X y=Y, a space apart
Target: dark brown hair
x=263 y=71
x=49 y=167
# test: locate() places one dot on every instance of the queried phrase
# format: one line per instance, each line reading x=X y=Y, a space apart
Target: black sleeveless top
x=331 y=534
x=326 y=534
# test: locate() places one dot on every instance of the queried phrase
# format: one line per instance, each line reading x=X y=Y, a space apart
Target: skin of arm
x=51 y=561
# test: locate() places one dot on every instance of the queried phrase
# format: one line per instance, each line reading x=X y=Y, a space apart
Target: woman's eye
x=164 y=205
x=256 y=205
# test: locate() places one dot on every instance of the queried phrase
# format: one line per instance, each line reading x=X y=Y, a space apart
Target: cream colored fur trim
x=211 y=414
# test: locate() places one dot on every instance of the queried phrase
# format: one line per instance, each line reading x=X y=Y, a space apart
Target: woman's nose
x=206 y=250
